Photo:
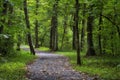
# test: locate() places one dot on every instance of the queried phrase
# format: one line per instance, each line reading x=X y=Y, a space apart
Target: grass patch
x=13 y=68
x=43 y=49
x=106 y=66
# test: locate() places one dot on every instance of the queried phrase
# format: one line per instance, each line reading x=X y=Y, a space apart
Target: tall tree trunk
x=112 y=28
x=83 y=27
x=74 y=35
x=77 y=32
x=28 y=27
x=90 y=48
x=4 y=12
x=54 y=31
x=99 y=35
x=36 y=25
x=100 y=28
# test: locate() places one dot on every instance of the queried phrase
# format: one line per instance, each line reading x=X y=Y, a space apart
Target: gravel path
x=50 y=66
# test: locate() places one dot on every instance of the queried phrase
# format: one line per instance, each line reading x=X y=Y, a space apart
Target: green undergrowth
x=13 y=67
x=43 y=49
x=106 y=67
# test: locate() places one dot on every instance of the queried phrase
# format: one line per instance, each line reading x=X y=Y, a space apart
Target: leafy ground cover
x=13 y=67
x=43 y=49
x=106 y=67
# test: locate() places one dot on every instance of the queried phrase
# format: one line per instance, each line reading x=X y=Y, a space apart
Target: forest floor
x=50 y=66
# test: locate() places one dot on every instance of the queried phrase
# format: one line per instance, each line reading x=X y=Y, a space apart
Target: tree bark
x=36 y=25
x=90 y=48
x=28 y=27
x=99 y=35
x=100 y=28
x=74 y=34
x=77 y=32
x=54 y=31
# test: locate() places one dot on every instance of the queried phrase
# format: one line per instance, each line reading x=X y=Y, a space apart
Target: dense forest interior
x=85 y=31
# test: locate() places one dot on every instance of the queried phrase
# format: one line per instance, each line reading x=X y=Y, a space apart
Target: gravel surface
x=50 y=66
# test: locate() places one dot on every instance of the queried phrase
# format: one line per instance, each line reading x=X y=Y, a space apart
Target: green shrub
x=14 y=68
x=6 y=44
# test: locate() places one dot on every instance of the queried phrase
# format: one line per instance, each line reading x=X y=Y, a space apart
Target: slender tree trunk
x=112 y=31
x=90 y=48
x=36 y=25
x=19 y=42
x=100 y=29
x=77 y=32
x=28 y=27
x=99 y=35
x=112 y=43
x=83 y=27
x=74 y=35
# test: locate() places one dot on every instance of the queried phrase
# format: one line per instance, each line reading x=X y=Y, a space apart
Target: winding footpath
x=49 y=66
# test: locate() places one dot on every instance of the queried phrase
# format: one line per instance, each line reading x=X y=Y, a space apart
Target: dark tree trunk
x=100 y=28
x=77 y=32
x=4 y=12
x=36 y=25
x=112 y=29
x=99 y=36
x=74 y=35
x=53 y=31
x=83 y=27
x=28 y=27
x=18 y=43
x=90 y=48
x=112 y=43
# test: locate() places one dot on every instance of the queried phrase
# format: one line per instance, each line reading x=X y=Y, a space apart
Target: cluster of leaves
x=12 y=23
x=6 y=44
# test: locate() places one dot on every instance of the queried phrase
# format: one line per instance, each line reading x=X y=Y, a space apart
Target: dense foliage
x=105 y=23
